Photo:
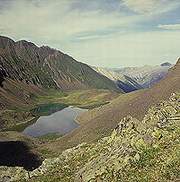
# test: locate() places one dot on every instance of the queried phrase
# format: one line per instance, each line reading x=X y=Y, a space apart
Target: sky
x=105 y=33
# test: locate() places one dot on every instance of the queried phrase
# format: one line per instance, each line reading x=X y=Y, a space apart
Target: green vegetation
x=146 y=150
x=19 y=118
x=49 y=136
x=81 y=98
x=21 y=126
x=50 y=96
x=47 y=109
x=15 y=119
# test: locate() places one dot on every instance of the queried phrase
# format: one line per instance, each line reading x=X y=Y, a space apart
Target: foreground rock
x=146 y=150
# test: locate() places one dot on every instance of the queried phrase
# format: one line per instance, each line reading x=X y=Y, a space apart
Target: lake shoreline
x=61 y=122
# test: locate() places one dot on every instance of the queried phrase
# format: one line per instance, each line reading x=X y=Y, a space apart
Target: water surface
x=60 y=122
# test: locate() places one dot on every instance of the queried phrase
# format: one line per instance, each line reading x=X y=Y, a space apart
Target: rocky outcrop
x=166 y=64
x=136 y=150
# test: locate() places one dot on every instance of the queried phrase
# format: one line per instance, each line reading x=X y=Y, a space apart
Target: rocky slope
x=136 y=150
x=43 y=67
x=125 y=83
x=99 y=122
x=146 y=76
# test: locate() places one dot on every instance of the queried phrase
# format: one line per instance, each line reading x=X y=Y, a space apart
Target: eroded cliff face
x=46 y=67
x=27 y=71
x=135 y=151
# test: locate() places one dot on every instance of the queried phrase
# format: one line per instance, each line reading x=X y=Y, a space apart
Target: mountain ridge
x=44 y=68
x=48 y=60
x=134 y=78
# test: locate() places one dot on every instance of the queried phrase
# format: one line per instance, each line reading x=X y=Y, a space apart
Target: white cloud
x=129 y=49
x=55 y=21
x=87 y=35
x=151 y=6
x=141 y=5
x=170 y=27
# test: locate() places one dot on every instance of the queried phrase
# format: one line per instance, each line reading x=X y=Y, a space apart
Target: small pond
x=60 y=122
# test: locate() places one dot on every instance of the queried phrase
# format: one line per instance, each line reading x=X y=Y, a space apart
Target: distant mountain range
x=134 y=78
x=26 y=69
x=147 y=75
x=124 y=82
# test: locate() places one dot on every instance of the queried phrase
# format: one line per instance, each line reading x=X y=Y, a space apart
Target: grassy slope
x=100 y=122
x=17 y=99
x=16 y=94
x=17 y=118
x=88 y=98
x=136 y=150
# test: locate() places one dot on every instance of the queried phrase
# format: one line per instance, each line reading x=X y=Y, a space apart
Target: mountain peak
x=25 y=43
x=4 y=38
x=178 y=61
x=5 y=41
x=166 y=64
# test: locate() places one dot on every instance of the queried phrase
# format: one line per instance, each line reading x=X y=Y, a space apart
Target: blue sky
x=108 y=33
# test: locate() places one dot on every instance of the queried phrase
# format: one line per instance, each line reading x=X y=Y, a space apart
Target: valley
x=89 y=91
x=100 y=122
x=52 y=101
x=56 y=111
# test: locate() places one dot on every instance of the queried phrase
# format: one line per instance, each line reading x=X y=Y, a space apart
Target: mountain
x=125 y=83
x=24 y=64
x=166 y=64
x=134 y=78
x=147 y=75
x=99 y=122
x=135 y=150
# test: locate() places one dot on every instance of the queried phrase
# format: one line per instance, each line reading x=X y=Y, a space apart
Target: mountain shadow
x=17 y=153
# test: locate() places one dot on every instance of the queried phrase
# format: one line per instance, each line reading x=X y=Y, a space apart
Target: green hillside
x=146 y=150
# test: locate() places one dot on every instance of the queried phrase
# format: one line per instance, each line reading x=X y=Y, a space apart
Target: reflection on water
x=60 y=122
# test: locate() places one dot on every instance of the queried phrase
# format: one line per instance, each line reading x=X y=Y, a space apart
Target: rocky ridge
x=46 y=67
x=146 y=150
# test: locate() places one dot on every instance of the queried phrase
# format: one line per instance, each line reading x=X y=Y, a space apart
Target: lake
x=60 y=122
